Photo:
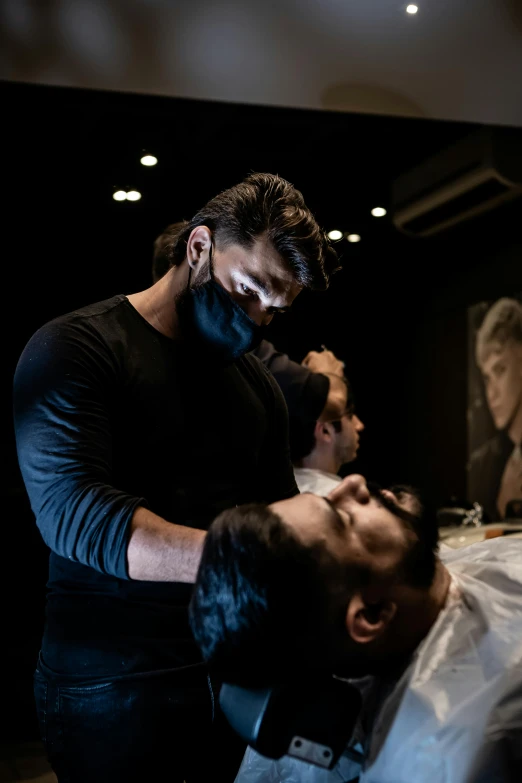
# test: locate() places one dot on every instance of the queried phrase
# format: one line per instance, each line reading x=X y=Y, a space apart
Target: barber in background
x=137 y=420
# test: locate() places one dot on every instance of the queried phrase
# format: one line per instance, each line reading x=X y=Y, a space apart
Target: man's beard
x=182 y=299
x=419 y=559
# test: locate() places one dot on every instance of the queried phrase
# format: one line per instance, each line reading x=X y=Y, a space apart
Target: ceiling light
x=119 y=195
x=378 y=212
x=353 y=238
x=335 y=235
x=133 y=195
x=148 y=160
x=412 y=9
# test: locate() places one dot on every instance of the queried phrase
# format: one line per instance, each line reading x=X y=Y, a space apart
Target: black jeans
x=163 y=726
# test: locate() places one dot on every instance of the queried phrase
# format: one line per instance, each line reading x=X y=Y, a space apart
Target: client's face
x=351 y=522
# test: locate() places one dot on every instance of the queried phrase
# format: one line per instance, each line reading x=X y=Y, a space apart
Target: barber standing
x=138 y=419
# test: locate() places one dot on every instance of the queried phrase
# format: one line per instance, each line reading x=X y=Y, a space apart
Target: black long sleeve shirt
x=109 y=415
x=305 y=392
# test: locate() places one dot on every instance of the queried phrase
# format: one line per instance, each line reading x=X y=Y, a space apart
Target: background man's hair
x=502 y=322
x=264 y=204
x=302 y=437
x=264 y=604
x=164 y=246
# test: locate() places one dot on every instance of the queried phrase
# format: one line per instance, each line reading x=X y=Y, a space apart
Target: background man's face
x=347 y=440
x=502 y=374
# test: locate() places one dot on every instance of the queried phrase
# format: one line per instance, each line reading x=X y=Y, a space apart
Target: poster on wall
x=495 y=407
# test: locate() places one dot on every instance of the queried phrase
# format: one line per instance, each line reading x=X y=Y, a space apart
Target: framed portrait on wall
x=495 y=406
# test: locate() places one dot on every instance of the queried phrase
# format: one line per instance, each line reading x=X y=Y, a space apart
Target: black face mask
x=209 y=316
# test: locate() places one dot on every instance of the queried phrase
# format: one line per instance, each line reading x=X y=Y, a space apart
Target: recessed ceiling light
x=412 y=9
x=378 y=212
x=353 y=238
x=335 y=235
x=148 y=160
x=133 y=195
x=119 y=195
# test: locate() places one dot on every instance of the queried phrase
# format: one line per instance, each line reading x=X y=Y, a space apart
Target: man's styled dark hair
x=264 y=600
x=266 y=606
x=263 y=204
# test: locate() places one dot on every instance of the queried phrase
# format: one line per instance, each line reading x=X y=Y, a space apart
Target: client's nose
x=352 y=487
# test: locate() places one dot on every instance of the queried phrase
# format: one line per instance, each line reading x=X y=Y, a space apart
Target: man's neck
x=416 y=615
x=157 y=303
x=322 y=462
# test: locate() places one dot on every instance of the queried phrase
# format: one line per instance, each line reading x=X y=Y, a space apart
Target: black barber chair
x=312 y=721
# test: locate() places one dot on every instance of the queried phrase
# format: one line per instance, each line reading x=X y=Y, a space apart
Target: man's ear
x=366 y=621
x=199 y=244
x=323 y=431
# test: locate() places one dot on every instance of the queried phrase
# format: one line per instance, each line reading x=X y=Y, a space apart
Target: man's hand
x=324 y=362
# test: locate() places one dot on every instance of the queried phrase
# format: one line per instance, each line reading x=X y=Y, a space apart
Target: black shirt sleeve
x=63 y=390
x=278 y=473
x=305 y=392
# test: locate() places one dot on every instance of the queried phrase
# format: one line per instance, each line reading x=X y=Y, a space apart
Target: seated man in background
x=352 y=584
x=320 y=447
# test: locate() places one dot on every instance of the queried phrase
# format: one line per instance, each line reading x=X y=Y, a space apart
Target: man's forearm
x=160 y=551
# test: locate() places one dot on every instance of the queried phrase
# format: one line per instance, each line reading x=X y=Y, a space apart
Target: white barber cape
x=317 y=481
x=455 y=715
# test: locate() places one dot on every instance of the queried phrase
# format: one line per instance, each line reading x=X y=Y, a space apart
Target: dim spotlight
x=148 y=160
x=119 y=195
x=353 y=238
x=133 y=195
x=378 y=212
x=335 y=235
x=412 y=9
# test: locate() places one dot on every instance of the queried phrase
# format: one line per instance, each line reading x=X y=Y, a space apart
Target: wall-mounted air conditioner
x=475 y=175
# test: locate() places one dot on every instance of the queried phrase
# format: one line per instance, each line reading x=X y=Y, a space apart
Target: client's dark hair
x=264 y=604
x=264 y=204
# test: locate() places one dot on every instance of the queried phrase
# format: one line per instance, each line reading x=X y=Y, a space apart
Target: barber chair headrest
x=312 y=720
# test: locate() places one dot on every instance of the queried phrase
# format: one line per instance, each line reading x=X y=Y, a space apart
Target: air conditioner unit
x=475 y=175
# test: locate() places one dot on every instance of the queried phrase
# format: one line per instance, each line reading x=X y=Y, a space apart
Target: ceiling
x=454 y=60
